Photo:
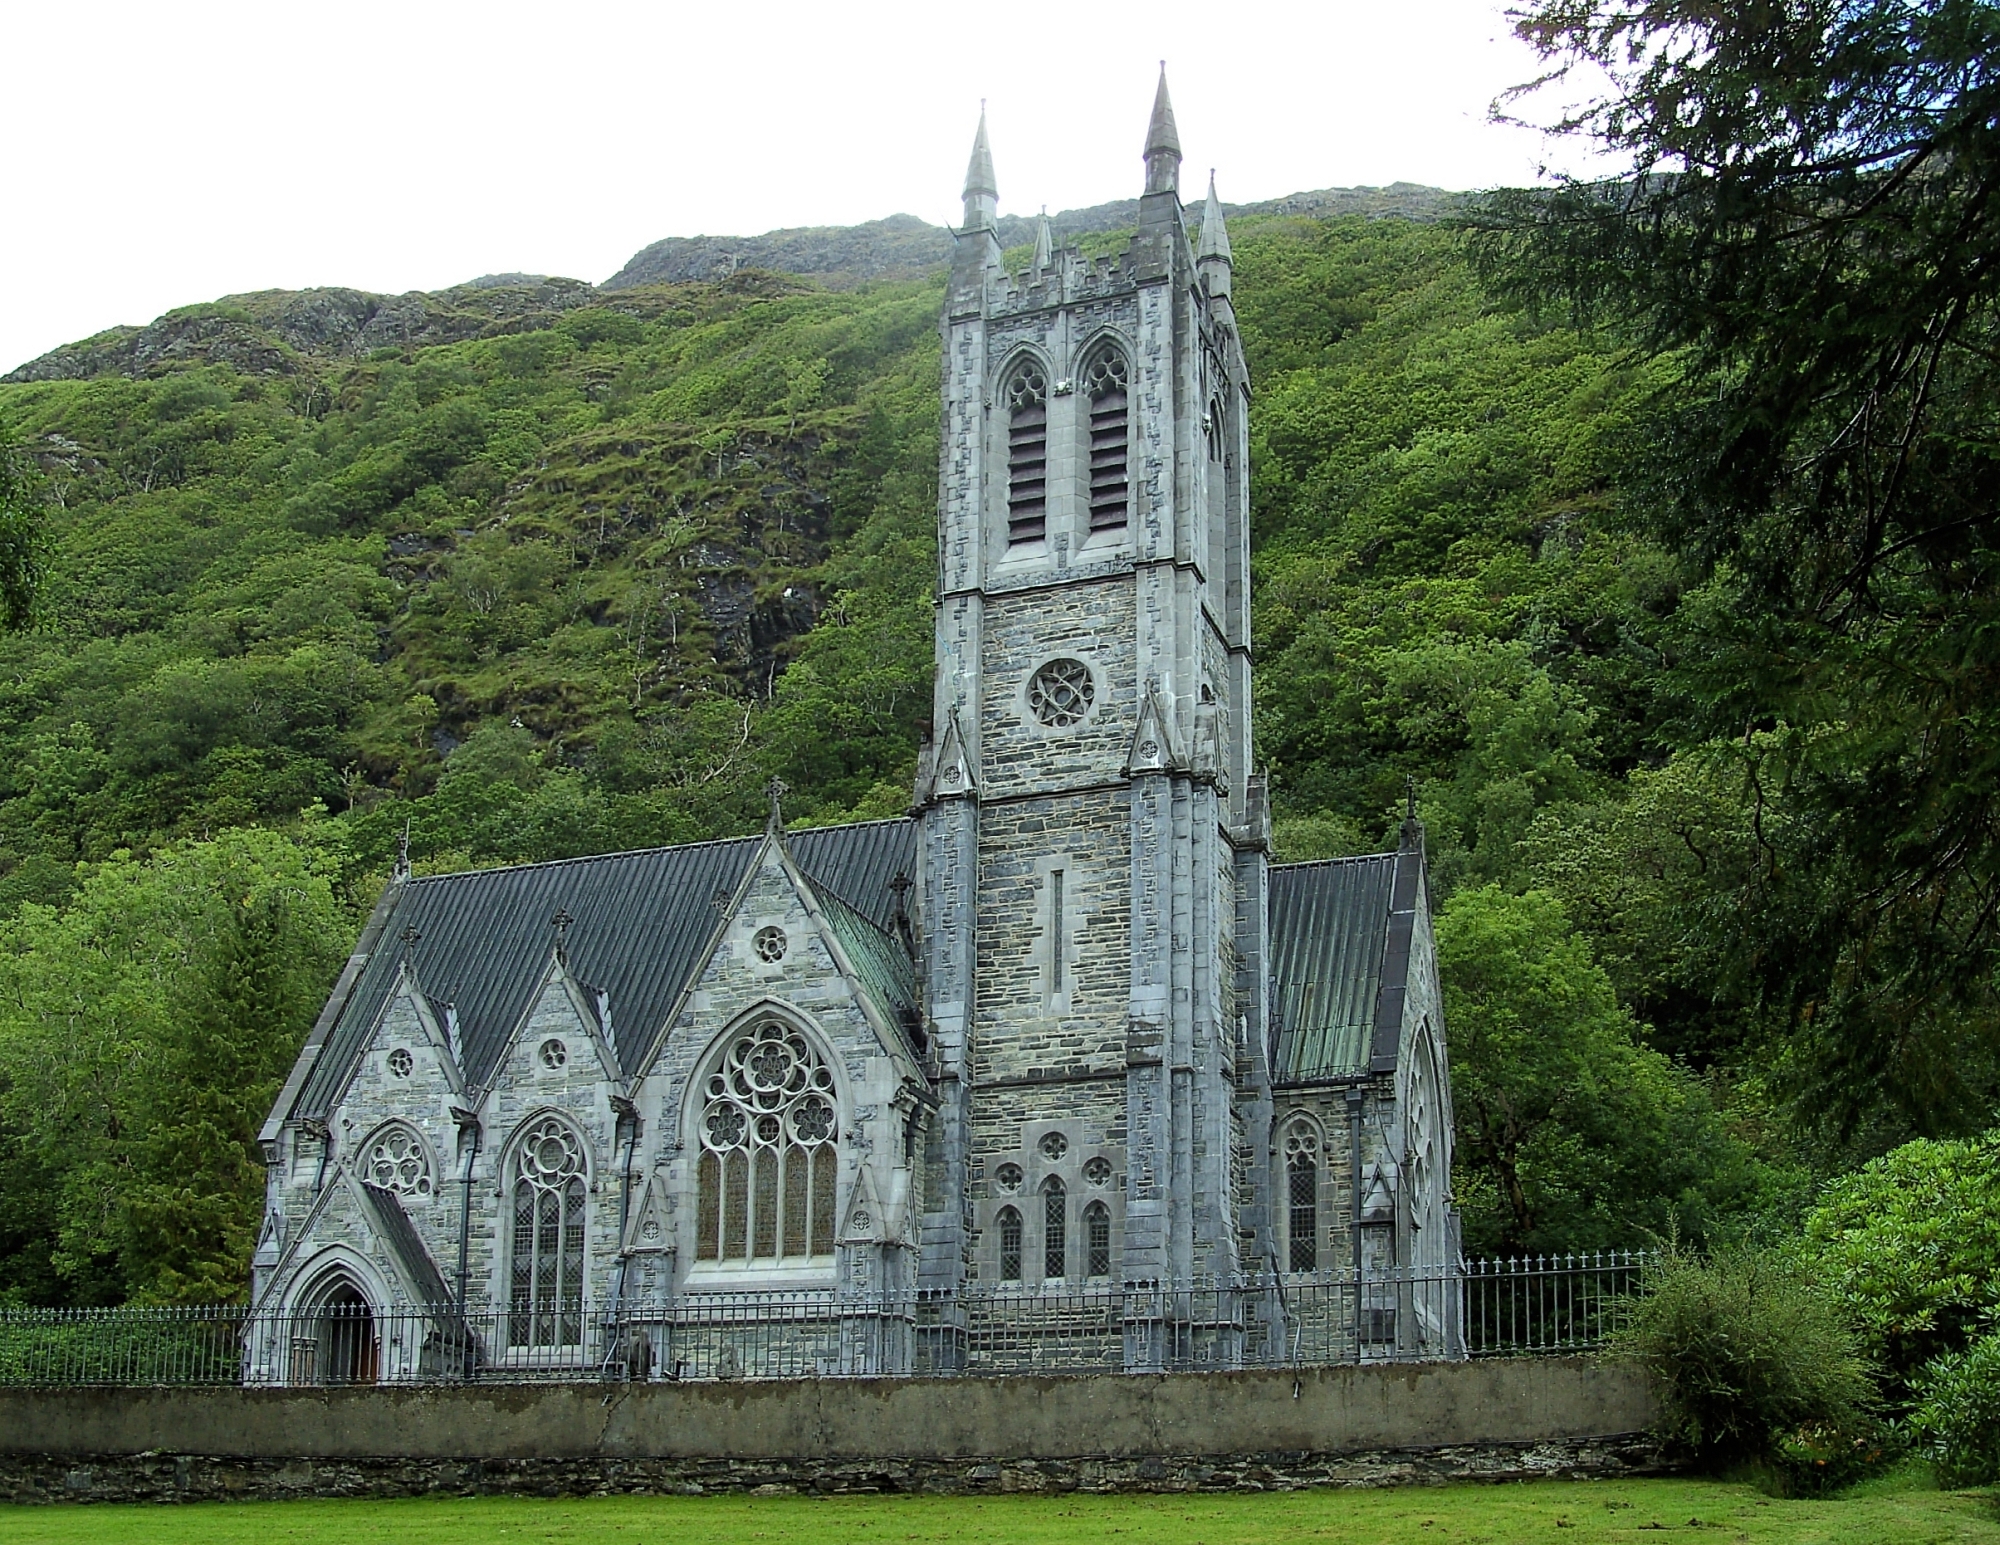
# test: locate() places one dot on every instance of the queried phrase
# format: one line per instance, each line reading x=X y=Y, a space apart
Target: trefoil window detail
x=768 y=1151
x=1104 y=389
x=1302 y=1196
x=396 y=1161
x=1027 y=455
x=546 y=1297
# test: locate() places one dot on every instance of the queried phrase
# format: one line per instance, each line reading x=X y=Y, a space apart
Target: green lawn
x=1567 y=1512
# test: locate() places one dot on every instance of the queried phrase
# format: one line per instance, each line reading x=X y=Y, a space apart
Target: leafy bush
x=1958 y=1413
x=1911 y=1243
x=1748 y=1357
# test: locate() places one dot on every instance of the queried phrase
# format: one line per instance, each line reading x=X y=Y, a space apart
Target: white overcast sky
x=179 y=150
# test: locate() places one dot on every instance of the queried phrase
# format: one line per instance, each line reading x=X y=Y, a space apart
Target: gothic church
x=1064 y=1026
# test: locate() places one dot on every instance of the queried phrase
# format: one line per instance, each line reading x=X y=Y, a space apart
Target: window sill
x=707 y=1277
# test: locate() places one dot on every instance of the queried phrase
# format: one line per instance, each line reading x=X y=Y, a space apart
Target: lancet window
x=1104 y=389
x=1010 y=1244
x=1097 y=1240
x=768 y=1152
x=546 y=1280
x=1302 y=1159
x=1027 y=455
x=1055 y=1229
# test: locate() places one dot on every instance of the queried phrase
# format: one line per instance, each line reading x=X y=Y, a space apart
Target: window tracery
x=1060 y=693
x=396 y=1160
x=768 y=1152
x=546 y=1286
x=1027 y=455
x=1301 y=1195
x=1105 y=390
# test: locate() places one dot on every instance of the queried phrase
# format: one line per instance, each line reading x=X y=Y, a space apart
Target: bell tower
x=1093 y=840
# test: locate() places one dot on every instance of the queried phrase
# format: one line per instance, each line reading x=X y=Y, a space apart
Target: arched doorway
x=335 y=1341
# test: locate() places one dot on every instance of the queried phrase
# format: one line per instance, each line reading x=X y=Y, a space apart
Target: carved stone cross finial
x=560 y=923
x=409 y=936
x=1410 y=792
x=777 y=789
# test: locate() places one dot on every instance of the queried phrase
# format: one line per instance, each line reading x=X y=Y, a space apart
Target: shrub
x=1911 y=1244
x=1958 y=1413
x=1748 y=1358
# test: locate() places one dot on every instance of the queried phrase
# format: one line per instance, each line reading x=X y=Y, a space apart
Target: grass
x=1890 y=1512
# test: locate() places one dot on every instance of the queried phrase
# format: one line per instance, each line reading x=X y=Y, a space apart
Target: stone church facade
x=1063 y=1032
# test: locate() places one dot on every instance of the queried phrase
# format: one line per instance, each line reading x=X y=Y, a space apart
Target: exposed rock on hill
x=903 y=245
x=273 y=331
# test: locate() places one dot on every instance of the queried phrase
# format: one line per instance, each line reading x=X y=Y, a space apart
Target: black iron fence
x=1484 y=1308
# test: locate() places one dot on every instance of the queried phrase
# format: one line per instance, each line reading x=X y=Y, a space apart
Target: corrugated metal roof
x=640 y=925
x=1329 y=926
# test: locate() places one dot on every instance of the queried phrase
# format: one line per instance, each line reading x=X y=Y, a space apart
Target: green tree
x=145 y=1028
x=1570 y=1134
x=22 y=541
x=1804 y=239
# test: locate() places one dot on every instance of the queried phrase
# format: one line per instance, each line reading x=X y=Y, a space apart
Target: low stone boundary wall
x=1372 y=1425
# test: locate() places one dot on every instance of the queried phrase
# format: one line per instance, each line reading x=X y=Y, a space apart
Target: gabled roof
x=641 y=924
x=1340 y=953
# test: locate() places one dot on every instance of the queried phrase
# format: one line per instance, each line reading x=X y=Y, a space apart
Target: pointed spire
x=1163 y=143
x=1214 y=234
x=1045 y=249
x=982 y=193
x=1213 y=258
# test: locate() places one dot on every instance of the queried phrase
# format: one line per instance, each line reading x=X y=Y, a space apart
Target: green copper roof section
x=885 y=969
x=1329 y=929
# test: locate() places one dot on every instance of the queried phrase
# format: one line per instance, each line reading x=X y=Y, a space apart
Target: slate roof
x=642 y=922
x=1329 y=938
x=395 y=1226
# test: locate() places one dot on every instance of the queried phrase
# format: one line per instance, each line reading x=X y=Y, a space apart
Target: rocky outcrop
x=275 y=332
x=903 y=246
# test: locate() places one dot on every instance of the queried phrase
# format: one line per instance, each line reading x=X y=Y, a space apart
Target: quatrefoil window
x=1097 y=1171
x=1054 y=1145
x=1008 y=1177
x=1061 y=692
x=769 y=943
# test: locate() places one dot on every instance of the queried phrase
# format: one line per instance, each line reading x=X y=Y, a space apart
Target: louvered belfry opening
x=1027 y=456
x=1104 y=385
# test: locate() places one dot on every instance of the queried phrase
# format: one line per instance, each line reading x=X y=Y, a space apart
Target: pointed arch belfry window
x=1105 y=387
x=1027 y=399
x=768 y=1152
x=545 y=1298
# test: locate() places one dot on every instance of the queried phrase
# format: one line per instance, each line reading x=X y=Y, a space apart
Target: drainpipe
x=467 y=1122
x=1356 y=1098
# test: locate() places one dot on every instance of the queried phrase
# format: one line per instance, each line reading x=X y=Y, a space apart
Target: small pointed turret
x=1045 y=247
x=1213 y=258
x=982 y=193
x=1163 y=143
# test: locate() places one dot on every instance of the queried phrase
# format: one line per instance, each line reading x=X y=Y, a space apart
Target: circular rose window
x=554 y=1053
x=769 y=943
x=1061 y=692
x=1054 y=1145
x=401 y=1062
